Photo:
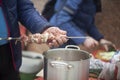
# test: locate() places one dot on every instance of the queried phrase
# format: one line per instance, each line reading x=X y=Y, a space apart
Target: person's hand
x=107 y=45
x=58 y=36
x=53 y=40
x=90 y=43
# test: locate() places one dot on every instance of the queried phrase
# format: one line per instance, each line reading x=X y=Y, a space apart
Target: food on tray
x=103 y=55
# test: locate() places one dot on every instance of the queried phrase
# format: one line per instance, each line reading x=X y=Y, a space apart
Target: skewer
x=77 y=37
x=19 y=38
x=10 y=38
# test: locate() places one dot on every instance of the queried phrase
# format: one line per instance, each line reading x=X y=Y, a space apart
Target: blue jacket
x=77 y=18
x=24 y=12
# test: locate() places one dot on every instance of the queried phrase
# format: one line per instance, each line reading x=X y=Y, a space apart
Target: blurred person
x=77 y=18
x=10 y=52
x=48 y=9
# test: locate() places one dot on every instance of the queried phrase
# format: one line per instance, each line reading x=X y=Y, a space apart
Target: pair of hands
x=53 y=37
x=60 y=37
x=57 y=36
x=91 y=43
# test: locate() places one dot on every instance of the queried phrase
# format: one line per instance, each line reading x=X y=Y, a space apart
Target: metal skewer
x=10 y=38
x=19 y=38
x=77 y=37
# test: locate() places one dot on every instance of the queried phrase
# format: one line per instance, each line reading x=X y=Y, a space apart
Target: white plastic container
x=32 y=62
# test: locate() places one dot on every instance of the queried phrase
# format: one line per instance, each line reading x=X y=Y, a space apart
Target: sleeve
x=30 y=18
x=72 y=6
x=94 y=32
x=69 y=8
x=74 y=31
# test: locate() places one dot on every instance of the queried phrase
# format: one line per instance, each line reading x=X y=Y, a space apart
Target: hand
x=49 y=38
x=58 y=36
x=107 y=45
x=90 y=43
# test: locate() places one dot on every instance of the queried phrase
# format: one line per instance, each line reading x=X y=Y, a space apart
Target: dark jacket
x=84 y=18
x=48 y=10
x=23 y=11
x=98 y=5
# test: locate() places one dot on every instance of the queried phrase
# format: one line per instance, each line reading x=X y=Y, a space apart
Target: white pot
x=32 y=62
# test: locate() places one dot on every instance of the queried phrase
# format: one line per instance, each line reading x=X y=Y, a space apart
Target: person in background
x=77 y=18
x=48 y=9
x=23 y=11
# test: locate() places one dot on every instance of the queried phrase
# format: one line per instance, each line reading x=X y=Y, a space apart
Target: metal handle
x=60 y=64
x=72 y=46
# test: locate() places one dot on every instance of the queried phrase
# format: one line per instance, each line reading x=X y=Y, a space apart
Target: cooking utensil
x=82 y=37
x=11 y=38
x=66 y=64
